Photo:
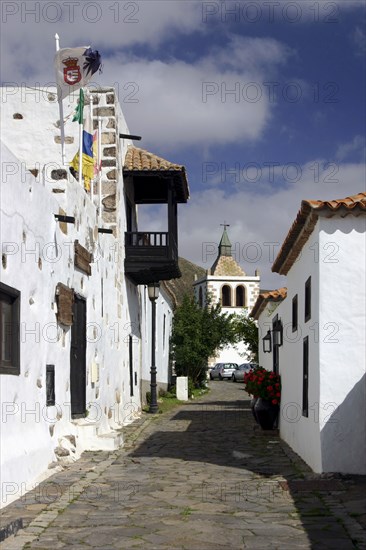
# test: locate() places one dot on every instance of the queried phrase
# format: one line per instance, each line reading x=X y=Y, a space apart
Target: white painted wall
x=300 y=432
x=342 y=417
x=29 y=234
x=265 y=324
x=30 y=431
x=333 y=437
x=164 y=310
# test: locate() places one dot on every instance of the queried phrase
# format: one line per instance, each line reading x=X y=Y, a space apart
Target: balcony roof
x=151 y=175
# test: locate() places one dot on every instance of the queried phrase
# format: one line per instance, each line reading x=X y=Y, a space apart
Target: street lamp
x=267 y=342
x=153 y=290
x=277 y=333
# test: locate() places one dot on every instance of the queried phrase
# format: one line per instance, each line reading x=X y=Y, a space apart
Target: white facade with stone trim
x=37 y=254
x=226 y=276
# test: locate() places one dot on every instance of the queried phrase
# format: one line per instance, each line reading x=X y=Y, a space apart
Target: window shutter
x=82 y=258
x=65 y=300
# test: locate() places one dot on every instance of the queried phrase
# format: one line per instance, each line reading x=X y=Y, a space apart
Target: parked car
x=223 y=370
x=215 y=371
x=238 y=374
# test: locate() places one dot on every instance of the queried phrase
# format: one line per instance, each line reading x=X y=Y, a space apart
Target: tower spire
x=225 y=244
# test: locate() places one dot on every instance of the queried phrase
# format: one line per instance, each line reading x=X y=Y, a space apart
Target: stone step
x=110 y=441
x=88 y=438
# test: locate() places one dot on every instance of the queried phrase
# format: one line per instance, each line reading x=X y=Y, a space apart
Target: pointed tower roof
x=225 y=265
x=225 y=244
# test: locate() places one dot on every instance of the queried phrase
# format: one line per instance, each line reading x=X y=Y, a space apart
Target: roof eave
x=181 y=174
x=305 y=222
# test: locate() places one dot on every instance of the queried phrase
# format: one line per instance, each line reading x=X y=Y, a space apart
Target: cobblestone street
x=200 y=477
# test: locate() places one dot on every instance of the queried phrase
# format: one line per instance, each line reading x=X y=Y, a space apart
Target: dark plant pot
x=266 y=413
x=252 y=406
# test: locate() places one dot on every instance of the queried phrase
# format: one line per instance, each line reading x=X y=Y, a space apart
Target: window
x=226 y=296
x=305 y=377
x=276 y=342
x=50 y=385
x=129 y=215
x=240 y=296
x=308 y=299
x=294 y=313
x=9 y=330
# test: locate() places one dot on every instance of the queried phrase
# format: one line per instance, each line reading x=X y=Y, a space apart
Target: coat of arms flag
x=74 y=68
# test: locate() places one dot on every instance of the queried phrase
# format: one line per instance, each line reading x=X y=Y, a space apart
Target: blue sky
x=263 y=102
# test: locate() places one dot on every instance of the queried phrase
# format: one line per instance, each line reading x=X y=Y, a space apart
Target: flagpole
x=92 y=127
x=100 y=165
x=61 y=110
x=81 y=126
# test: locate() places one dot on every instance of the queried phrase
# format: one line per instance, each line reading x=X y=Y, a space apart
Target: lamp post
x=153 y=290
x=277 y=333
x=267 y=342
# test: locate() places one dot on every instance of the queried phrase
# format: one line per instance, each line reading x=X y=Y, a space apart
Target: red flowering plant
x=263 y=383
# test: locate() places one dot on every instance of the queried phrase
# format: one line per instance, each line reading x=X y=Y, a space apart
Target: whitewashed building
x=322 y=319
x=227 y=283
x=75 y=320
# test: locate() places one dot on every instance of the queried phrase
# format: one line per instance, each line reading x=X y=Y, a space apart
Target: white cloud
x=28 y=29
x=260 y=219
x=359 y=39
x=205 y=102
x=358 y=144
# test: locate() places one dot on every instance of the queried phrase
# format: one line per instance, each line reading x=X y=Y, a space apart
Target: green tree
x=247 y=331
x=197 y=333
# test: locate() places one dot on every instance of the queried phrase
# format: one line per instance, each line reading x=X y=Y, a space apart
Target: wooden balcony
x=149 y=179
x=151 y=257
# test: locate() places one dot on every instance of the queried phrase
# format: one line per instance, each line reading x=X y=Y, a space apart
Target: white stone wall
x=265 y=324
x=342 y=337
x=164 y=319
x=333 y=436
x=30 y=235
x=300 y=432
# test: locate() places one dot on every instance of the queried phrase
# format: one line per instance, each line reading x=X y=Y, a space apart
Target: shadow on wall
x=343 y=438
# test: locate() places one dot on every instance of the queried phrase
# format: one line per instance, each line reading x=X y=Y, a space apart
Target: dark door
x=78 y=359
x=275 y=348
x=130 y=354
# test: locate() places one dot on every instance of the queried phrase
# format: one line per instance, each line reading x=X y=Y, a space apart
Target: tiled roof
x=305 y=222
x=139 y=160
x=265 y=297
x=226 y=265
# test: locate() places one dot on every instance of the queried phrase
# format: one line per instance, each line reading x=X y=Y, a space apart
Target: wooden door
x=78 y=359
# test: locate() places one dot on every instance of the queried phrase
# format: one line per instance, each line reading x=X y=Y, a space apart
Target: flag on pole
x=74 y=68
x=78 y=115
x=87 y=160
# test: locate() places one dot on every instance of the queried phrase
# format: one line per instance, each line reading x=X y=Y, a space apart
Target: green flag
x=78 y=116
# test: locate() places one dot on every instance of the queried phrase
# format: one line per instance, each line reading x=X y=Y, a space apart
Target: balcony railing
x=143 y=239
x=151 y=256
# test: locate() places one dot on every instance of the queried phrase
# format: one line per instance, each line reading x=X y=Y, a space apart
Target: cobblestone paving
x=201 y=477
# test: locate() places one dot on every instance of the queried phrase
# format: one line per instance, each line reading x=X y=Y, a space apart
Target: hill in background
x=177 y=288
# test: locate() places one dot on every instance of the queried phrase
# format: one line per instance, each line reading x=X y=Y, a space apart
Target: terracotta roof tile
x=265 y=297
x=349 y=203
x=226 y=265
x=305 y=222
x=138 y=160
